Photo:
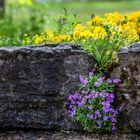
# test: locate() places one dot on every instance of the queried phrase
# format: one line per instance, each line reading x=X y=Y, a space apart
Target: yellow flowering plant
x=112 y=23
x=102 y=37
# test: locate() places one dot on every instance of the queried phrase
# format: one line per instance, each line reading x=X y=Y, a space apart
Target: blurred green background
x=36 y=16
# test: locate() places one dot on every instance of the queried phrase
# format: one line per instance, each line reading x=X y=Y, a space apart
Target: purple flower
x=101 y=94
x=70 y=106
x=113 y=128
x=112 y=96
x=96 y=84
x=98 y=113
x=101 y=80
x=83 y=92
x=70 y=97
x=115 y=112
x=73 y=112
x=73 y=102
x=110 y=81
x=79 y=98
x=90 y=107
x=99 y=123
x=106 y=104
x=114 y=120
x=90 y=101
x=80 y=104
x=106 y=110
x=106 y=118
x=87 y=96
x=75 y=96
x=96 y=95
x=106 y=94
x=83 y=80
x=95 y=117
x=92 y=93
x=90 y=116
x=91 y=74
x=83 y=101
x=106 y=107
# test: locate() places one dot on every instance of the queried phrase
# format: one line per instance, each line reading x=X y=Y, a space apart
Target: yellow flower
x=135 y=16
x=99 y=32
x=114 y=18
x=38 y=39
x=98 y=20
x=78 y=29
x=86 y=34
x=89 y=23
x=50 y=36
x=129 y=34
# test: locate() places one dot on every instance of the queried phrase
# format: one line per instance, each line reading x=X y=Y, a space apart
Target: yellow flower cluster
x=51 y=37
x=134 y=17
x=114 y=19
x=112 y=25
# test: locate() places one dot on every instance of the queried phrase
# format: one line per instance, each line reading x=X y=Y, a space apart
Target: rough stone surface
x=129 y=71
x=53 y=135
x=35 y=83
x=135 y=47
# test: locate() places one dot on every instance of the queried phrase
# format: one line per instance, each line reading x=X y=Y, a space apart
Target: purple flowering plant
x=92 y=105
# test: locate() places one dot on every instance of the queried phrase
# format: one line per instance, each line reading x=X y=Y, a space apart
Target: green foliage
x=13 y=29
x=65 y=24
x=104 y=50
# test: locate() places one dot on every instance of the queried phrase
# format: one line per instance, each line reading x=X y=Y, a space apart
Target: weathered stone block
x=35 y=83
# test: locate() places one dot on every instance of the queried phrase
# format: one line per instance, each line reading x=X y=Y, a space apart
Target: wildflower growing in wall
x=92 y=105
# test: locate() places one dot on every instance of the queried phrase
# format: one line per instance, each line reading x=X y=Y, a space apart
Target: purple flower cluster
x=106 y=113
x=99 y=82
x=83 y=80
x=91 y=73
x=95 y=105
x=76 y=100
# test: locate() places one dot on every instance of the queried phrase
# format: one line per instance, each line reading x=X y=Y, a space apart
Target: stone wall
x=36 y=81
x=129 y=71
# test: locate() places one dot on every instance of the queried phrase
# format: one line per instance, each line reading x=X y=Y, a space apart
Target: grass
x=85 y=9
x=52 y=11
